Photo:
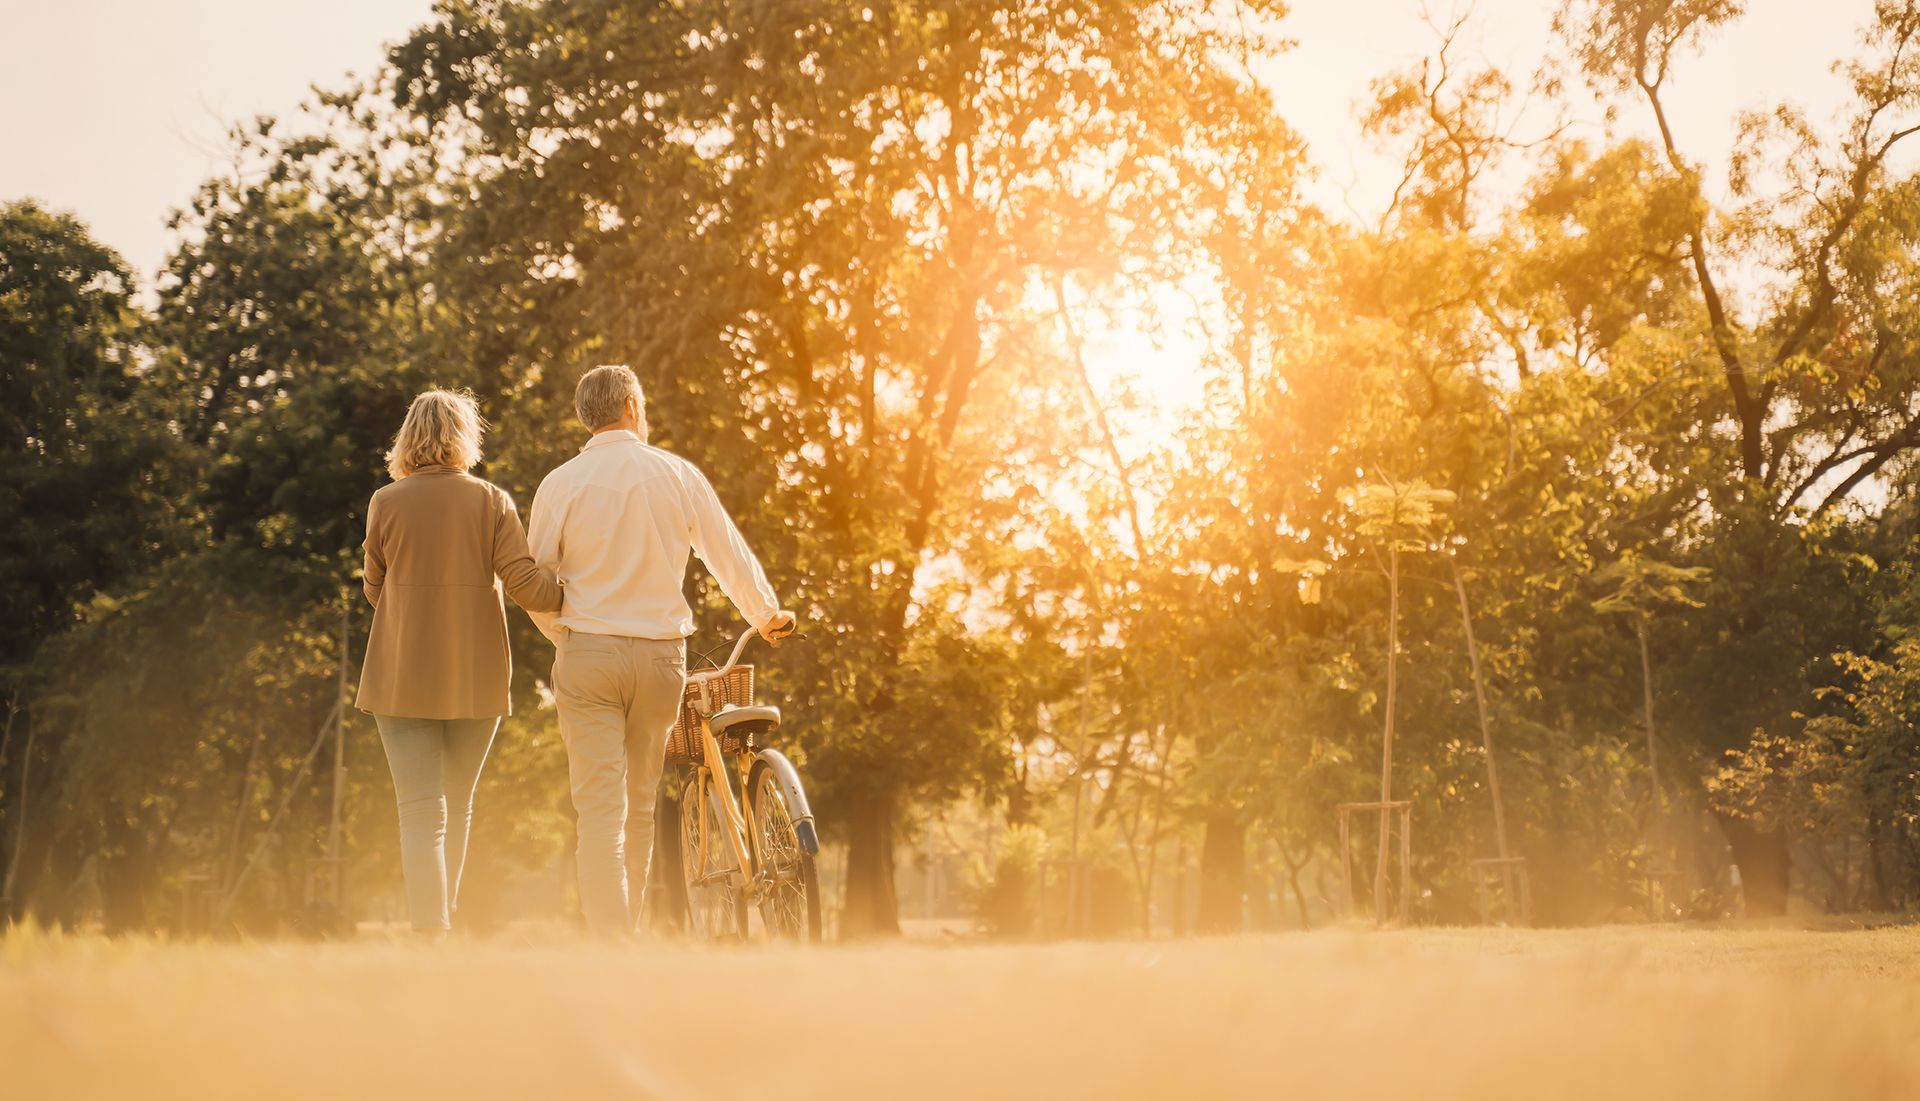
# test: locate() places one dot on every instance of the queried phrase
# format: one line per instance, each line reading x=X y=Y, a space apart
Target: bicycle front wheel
x=790 y=884
x=716 y=903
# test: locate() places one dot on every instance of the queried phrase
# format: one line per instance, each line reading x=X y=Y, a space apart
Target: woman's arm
x=531 y=585
x=374 y=575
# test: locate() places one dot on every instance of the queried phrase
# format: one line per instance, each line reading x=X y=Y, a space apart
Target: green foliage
x=834 y=316
x=1625 y=43
x=1849 y=772
x=1639 y=588
x=1006 y=897
x=1403 y=516
x=852 y=248
x=89 y=470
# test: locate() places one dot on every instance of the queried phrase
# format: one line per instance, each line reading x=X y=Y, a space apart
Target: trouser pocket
x=588 y=667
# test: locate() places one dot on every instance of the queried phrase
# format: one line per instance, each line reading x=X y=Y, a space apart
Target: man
x=615 y=523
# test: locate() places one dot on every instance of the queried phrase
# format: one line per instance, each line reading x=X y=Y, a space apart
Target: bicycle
x=754 y=851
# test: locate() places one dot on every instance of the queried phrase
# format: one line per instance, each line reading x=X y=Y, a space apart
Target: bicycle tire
x=711 y=906
x=785 y=917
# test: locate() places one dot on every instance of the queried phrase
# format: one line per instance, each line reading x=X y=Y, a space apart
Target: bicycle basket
x=734 y=689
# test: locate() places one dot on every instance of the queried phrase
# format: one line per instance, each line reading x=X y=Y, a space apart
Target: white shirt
x=615 y=523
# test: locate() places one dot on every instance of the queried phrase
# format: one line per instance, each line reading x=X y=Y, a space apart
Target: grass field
x=1669 y=1012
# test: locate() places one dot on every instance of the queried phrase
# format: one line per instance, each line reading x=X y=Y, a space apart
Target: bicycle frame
x=720 y=784
x=740 y=836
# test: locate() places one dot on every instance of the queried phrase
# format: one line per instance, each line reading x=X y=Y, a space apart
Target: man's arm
x=719 y=544
x=544 y=523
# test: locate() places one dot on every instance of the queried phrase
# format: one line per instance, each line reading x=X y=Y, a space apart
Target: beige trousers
x=618 y=698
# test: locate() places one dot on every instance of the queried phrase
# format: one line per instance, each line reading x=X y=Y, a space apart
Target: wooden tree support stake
x=1400 y=808
x=1516 y=891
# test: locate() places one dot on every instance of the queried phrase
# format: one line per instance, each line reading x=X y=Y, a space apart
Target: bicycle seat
x=745 y=722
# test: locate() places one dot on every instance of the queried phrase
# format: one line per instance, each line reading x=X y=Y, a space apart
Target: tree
x=860 y=254
x=1638 y=589
x=1849 y=773
x=89 y=478
x=182 y=697
x=1399 y=518
x=1816 y=389
x=84 y=466
x=814 y=229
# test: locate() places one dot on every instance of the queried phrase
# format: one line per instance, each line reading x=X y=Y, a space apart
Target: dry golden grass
x=1660 y=1012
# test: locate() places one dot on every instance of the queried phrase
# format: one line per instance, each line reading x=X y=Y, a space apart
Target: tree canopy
x=1577 y=512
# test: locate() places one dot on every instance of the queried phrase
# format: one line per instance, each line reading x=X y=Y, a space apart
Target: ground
x=1662 y=1012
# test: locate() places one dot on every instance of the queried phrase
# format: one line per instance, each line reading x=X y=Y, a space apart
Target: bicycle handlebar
x=739 y=648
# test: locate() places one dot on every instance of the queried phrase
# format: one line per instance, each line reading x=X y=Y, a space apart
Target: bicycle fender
x=789 y=780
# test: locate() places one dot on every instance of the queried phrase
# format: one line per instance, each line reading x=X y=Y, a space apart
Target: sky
x=116 y=108
x=1780 y=49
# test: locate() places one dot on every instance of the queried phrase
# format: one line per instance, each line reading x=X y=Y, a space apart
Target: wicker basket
x=735 y=689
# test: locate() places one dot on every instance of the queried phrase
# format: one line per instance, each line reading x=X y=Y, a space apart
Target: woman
x=437 y=664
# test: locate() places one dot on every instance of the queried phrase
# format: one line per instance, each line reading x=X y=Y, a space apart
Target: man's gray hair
x=601 y=397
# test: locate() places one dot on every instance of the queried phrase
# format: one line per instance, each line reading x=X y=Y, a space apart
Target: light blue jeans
x=436 y=765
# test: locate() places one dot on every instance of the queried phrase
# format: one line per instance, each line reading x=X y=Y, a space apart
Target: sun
x=1154 y=354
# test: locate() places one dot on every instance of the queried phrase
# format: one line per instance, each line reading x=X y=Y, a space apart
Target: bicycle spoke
x=709 y=876
x=783 y=900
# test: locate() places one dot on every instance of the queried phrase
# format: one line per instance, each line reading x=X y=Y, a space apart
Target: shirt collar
x=618 y=435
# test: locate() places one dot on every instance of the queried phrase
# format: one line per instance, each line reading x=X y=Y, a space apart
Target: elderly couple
x=601 y=575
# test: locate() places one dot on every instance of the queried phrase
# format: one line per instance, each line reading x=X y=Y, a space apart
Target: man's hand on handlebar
x=779 y=627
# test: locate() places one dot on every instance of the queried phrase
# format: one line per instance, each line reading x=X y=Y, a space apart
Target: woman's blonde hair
x=442 y=428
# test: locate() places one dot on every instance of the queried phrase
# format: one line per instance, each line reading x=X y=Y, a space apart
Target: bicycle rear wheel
x=716 y=899
x=790 y=884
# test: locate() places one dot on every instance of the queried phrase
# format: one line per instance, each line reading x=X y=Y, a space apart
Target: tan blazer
x=436 y=541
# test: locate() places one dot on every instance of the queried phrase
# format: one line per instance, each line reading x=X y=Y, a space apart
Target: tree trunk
x=1293 y=881
x=6 y=744
x=1020 y=800
x=1179 y=923
x=7 y=907
x=6 y=748
x=1480 y=699
x=1164 y=751
x=230 y=866
x=871 y=909
x=1223 y=875
x=1748 y=408
x=1386 y=741
x=49 y=887
x=1646 y=692
x=338 y=803
x=1878 y=899
x=1765 y=862
x=126 y=871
